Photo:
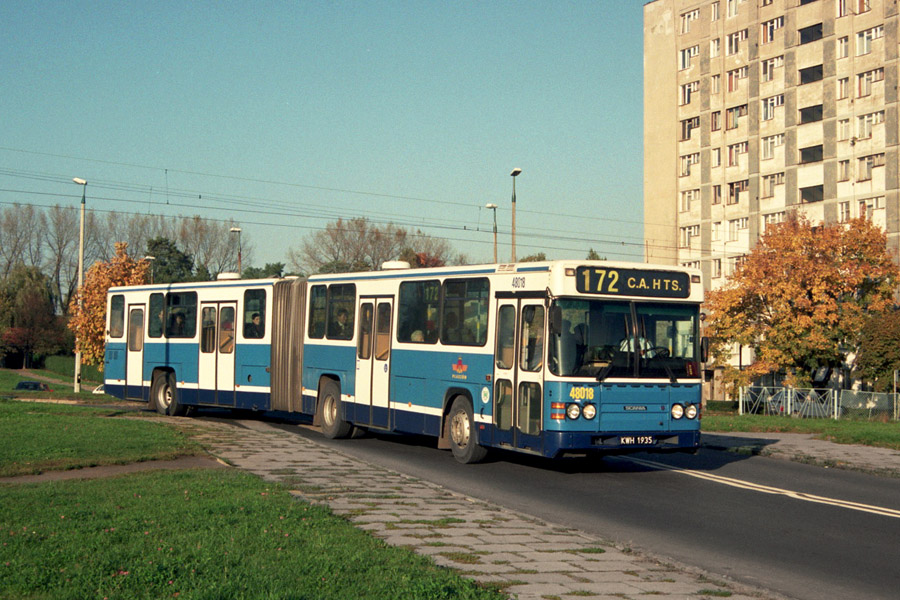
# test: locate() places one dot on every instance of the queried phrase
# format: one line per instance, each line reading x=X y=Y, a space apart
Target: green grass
x=62 y=390
x=63 y=367
x=881 y=435
x=40 y=437
x=196 y=535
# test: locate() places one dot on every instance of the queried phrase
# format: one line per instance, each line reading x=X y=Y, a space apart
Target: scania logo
x=632 y=408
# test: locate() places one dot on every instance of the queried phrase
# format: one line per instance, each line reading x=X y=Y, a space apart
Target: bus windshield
x=601 y=338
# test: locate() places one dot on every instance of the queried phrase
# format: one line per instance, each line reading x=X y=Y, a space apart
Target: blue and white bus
x=550 y=358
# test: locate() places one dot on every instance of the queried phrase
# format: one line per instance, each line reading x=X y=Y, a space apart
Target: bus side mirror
x=704 y=349
x=555 y=320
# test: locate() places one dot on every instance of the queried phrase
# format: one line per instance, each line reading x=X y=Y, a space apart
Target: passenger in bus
x=417 y=336
x=253 y=329
x=176 y=327
x=339 y=327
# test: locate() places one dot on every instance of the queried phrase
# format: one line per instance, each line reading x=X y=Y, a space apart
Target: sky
x=285 y=116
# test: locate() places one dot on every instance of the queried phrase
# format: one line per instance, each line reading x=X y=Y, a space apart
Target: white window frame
x=769 y=105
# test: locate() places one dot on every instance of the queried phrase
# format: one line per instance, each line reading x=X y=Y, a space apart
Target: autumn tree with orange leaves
x=89 y=321
x=802 y=296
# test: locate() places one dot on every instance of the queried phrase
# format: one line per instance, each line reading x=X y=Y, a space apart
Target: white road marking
x=765 y=489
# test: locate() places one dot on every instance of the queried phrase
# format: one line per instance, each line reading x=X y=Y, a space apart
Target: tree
x=592 y=255
x=170 y=265
x=879 y=350
x=28 y=321
x=802 y=296
x=353 y=245
x=270 y=270
x=540 y=256
x=88 y=321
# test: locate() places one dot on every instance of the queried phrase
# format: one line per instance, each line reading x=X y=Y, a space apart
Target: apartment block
x=754 y=108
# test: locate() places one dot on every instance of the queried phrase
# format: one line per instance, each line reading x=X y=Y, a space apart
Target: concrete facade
x=753 y=108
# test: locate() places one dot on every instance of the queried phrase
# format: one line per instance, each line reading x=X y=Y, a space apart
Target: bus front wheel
x=463 y=437
x=165 y=395
x=333 y=426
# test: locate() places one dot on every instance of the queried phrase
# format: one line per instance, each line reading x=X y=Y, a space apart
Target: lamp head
x=491 y=205
x=79 y=181
x=516 y=172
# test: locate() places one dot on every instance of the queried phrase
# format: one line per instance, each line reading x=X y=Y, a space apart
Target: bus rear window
x=117 y=316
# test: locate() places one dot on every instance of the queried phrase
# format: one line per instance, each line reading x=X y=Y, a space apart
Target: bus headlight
x=691 y=411
x=589 y=411
x=573 y=411
x=677 y=411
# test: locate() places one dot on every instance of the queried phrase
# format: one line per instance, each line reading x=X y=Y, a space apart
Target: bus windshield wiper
x=604 y=372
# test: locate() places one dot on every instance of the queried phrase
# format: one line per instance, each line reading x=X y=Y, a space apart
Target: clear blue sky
x=286 y=115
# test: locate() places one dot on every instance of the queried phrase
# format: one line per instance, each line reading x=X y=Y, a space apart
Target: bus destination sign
x=632 y=282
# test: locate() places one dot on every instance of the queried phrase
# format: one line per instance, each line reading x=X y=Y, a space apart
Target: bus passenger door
x=215 y=376
x=518 y=373
x=373 y=362
x=134 y=363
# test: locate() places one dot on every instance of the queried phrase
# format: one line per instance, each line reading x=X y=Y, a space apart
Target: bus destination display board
x=632 y=282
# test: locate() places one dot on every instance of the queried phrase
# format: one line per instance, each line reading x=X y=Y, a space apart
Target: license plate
x=636 y=440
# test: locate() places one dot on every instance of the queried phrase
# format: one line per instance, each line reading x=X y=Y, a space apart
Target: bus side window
x=506 y=337
x=317 y=297
x=156 y=316
x=254 y=314
x=181 y=314
x=341 y=306
x=417 y=310
x=117 y=316
x=136 y=330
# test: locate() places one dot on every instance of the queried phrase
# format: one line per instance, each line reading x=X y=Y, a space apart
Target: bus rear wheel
x=463 y=437
x=333 y=426
x=164 y=393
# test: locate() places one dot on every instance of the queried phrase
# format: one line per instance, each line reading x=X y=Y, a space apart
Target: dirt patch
x=187 y=462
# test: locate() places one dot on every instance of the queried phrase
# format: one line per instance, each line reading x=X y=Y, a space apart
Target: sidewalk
x=532 y=559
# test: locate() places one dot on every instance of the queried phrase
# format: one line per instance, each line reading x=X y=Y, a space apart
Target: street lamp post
x=83 y=183
x=237 y=230
x=493 y=207
x=150 y=260
x=515 y=173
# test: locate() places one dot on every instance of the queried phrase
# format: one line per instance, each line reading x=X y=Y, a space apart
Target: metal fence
x=819 y=403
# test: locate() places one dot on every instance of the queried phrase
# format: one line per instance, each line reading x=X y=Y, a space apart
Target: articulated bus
x=551 y=358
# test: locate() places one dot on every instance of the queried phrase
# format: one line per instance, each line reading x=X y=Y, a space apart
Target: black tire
x=164 y=393
x=462 y=433
x=330 y=411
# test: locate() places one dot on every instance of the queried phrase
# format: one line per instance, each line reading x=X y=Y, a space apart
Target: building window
x=687 y=233
x=864 y=39
x=687 y=90
x=869 y=205
x=768 y=145
x=734 y=226
x=843 y=88
x=686 y=161
x=714 y=84
x=843 y=129
x=811 y=74
x=769 y=182
x=867 y=164
x=686 y=18
x=734 y=152
x=813 y=193
x=811 y=154
x=769 y=65
x=843 y=47
x=769 y=28
x=715 y=157
x=733 y=114
x=715 y=231
x=733 y=42
x=811 y=114
x=714 y=45
x=773 y=219
x=769 y=105
x=688 y=126
x=715 y=120
x=766 y=2
x=734 y=190
x=865 y=122
x=734 y=77
x=843 y=170
x=731 y=8
x=810 y=34
x=714 y=12
x=852 y=7
x=687 y=54
x=717 y=194
x=865 y=81
x=716 y=268
x=687 y=198
x=843 y=212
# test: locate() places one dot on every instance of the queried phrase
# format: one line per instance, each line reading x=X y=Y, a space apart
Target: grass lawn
x=40 y=437
x=62 y=390
x=199 y=534
x=882 y=435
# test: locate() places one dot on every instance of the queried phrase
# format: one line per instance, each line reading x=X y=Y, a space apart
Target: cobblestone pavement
x=530 y=558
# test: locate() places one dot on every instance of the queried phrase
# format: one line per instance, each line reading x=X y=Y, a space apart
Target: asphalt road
x=802 y=531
